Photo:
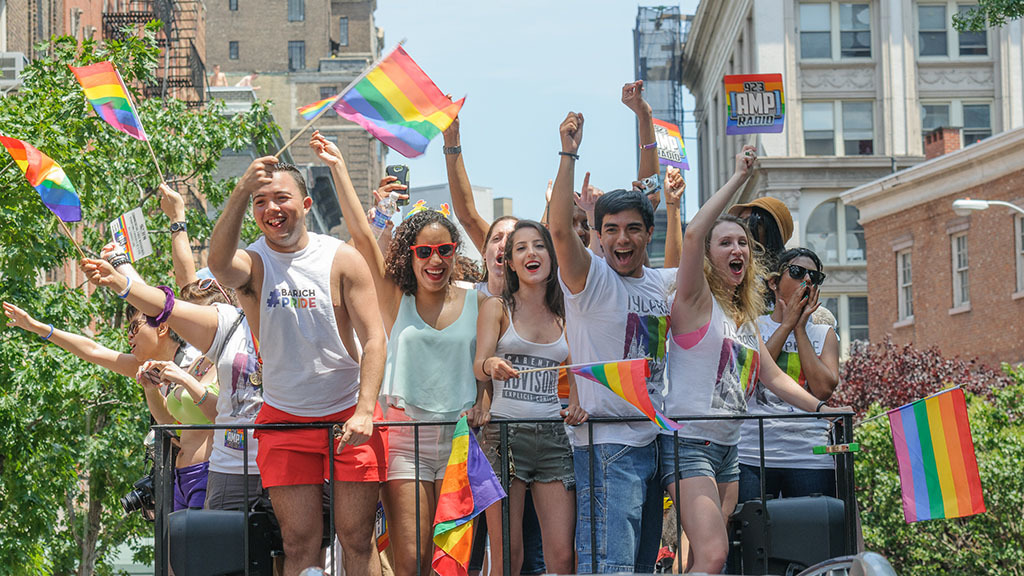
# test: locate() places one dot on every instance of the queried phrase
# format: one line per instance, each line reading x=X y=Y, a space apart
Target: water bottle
x=382 y=213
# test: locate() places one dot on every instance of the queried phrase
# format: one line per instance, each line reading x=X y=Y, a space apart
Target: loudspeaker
x=800 y=532
x=211 y=542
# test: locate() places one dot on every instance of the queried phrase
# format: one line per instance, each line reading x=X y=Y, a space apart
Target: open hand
x=18 y=317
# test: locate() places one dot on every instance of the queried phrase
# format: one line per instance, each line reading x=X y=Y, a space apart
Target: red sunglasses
x=205 y=284
x=423 y=251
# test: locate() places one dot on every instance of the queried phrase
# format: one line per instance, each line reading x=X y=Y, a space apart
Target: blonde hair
x=745 y=302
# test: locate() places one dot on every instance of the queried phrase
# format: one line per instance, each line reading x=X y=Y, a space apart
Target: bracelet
x=127 y=289
x=168 y=306
x=820 y=404
x=483 y=368
x=451 y=150
x=47 y=337
x=203 y=399
x=570 y=155
x=649 y=146
x=119 y=260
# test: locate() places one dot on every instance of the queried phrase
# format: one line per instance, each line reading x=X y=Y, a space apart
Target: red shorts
x=296 y=457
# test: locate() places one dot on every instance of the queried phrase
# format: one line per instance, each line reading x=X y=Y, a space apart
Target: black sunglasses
x=797 y=272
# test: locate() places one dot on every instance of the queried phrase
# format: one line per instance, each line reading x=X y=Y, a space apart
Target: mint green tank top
x=429 y=372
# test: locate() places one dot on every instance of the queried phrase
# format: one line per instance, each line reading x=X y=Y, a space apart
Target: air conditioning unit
x=11 y=65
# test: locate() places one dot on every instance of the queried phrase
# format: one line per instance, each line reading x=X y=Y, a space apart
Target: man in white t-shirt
x=615 y=308
x=308 y=297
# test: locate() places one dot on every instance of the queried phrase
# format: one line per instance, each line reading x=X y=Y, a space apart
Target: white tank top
x=306 y=369
x=531 y=395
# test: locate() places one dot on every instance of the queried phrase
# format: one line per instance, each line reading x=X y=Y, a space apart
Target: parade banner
x=671 y=150
x=131 y=235
x=754 y=104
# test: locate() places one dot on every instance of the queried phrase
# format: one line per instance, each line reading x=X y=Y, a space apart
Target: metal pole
x=675 y=503
x=506 y=525
x=164 y=496
x=330 y=497
x=845 y=485
x=245 y=494
x=764 y=498
x=416 y=464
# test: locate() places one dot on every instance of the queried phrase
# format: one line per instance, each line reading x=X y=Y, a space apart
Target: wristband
x=47 y=337
x=452 y=150
x=649 y=146
x=168 y=306
x=127 y=289
x=203 y=399
x=483 y=368
x=570 y=155
x=119 y=260
x=820 y=404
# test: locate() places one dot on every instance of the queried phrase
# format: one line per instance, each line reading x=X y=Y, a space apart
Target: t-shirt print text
x=292 y=298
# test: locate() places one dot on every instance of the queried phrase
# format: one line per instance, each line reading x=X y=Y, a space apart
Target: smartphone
x=401 y=172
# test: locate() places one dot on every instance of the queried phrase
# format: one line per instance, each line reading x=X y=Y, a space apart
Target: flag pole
x=153 y=156
x=887 y=412
x=67 y=231
x=569 y=366
x=351 y=84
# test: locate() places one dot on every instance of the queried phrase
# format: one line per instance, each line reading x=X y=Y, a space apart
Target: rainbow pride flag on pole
x=310 y=111
x=399 y=104
x=628 y=379
x=469 y=487
x=47 y=177
x=935 y=452
x=106 y=92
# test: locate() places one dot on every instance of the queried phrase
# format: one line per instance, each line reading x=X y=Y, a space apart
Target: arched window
x=836 y=240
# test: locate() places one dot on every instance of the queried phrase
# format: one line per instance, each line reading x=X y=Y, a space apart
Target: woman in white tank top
x=523 y=329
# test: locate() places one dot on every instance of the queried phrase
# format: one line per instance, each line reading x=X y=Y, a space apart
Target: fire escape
x=181 y=72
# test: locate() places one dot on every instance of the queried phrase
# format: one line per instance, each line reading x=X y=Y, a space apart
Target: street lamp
x=964 y=205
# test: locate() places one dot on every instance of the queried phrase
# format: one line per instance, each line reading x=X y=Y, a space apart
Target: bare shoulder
x=348 y=260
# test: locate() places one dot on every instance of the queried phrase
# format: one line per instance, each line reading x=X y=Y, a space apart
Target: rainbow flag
x=671 y=150
x=628 y=379
x=754 y=104
x=469 y=487
x=935 y=452
x=47 y=177
x=399 y=105
x=106 y=92
x=310 y=111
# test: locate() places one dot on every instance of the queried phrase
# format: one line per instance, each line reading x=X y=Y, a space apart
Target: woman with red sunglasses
x=431 y=325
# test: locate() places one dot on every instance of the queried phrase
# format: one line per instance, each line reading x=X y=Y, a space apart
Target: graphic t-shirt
x=788 y=443
x=533 y=394
x=238 y=402
x=614 y=318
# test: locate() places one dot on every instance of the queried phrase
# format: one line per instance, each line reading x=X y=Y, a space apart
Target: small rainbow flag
x=106 y=92
x=935 y=452
x=628 y=379
x=754 y=104
x=469 y=487
x=310 y=111
x=399 y=105
x=47 y=177
x=671 y=150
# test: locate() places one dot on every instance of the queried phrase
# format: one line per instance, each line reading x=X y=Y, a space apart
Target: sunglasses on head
x=423 y=251
x=797 y=272
x=205 y=284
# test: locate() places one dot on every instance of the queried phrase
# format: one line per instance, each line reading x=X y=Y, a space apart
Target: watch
x=178 y=227
x=450 y=150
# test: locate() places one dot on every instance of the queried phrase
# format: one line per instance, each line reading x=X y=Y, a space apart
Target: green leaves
x=989 y=14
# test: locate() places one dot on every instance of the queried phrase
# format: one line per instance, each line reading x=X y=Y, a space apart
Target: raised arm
x=196 y=324
x=573 y=258
x=632 y=97
x=84 y=348
x=173 y=206
x=675 y=185
x=231 y=266
x=461 y=190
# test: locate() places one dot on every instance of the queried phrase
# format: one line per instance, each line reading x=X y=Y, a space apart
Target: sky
x=523 y=65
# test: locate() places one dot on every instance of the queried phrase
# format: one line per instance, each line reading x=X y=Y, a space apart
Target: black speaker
x=211 y=543
x=793 y=533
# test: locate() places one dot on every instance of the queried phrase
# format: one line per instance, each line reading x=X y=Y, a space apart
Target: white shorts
x=435 y=445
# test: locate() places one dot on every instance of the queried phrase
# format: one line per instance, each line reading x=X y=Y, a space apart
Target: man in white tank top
x=308 y=297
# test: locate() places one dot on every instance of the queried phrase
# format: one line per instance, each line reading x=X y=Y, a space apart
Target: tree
x=989 y=13
x=72 y=433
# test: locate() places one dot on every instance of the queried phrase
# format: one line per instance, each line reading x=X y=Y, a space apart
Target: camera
x=141 y=497
x=651 y=184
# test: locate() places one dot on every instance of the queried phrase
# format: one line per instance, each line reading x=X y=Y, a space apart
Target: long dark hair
x=398 y=264
x=765 y=229
x=552 y=291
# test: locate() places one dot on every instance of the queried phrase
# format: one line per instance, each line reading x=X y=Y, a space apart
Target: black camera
x=141 y=497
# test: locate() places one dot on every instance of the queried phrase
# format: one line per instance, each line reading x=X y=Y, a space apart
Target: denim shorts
x=696 y=458
x=537 y=452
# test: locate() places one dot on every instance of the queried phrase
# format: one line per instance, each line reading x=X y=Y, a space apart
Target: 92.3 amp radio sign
x=754 y=104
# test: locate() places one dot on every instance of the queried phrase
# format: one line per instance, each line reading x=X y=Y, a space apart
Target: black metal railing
x=841 y=433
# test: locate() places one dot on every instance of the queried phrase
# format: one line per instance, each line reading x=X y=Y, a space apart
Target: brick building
x=936 y=277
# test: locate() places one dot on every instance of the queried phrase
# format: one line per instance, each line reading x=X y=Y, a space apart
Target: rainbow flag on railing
x=47 y=177
x=469 y=487
x=399 y=104
x=106 y=92
x=935 y=452
x=628 y=379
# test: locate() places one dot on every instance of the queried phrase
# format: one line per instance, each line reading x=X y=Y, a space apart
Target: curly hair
x=398 y=263
x=745 y=302
x=553 y=297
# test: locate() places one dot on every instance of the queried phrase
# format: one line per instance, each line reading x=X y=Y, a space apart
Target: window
x=856 y=138
x=296 y=10
x=233 y=5
x=1019 y=225
x=977 y=123
x=973 y=118
x=851 y=312
x=858 y=324
x=233 y=50
x=296 y=55
x=937 y=37
x=934 y=116
x=835 y=240
x=905 y=282
x=818 y=20
x=343 y=31
x=961 y=282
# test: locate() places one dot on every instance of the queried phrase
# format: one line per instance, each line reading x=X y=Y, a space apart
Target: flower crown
x=421 y=206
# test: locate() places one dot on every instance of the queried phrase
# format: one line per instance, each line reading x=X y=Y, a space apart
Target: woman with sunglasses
x=174 y=393
x=809 y=353
x=431 y=327
x=714 y=360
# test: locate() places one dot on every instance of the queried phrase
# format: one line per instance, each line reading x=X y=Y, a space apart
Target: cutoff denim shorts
x=538 y=452
x=696 y=458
